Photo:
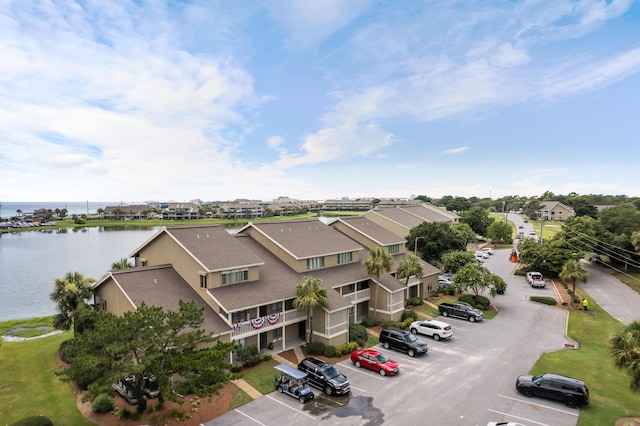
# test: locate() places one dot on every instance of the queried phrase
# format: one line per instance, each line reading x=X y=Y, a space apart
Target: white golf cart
x=293 y=382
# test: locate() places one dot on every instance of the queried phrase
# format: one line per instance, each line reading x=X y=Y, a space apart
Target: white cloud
x=458 y=150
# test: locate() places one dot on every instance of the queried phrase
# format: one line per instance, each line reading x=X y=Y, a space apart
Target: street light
x=415 y=247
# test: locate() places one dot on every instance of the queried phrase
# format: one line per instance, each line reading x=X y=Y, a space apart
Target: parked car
x=460 y=310
x=479 y=257
x=536 y=279
x=433 y=328
x=325 y=376
x=445 y=282
x=520 y=226
x=375 y=361
x=403 y=341
x=293 y=382
x=487 y=250
x=484 y=255
x=572 y=392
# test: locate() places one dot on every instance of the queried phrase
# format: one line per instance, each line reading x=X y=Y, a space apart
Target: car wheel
x=301 y=399
x=527 y=392
x=472 y=319
x=280 y=389
x=412 y=352
x=357 y=364
x=414 y=331
x=436 y=337
x=570 y=401
x=445 y=314
x=386 y=345
x=328 y=390
x=382 y=372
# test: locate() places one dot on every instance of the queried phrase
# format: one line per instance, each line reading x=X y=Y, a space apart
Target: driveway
x=469 y=380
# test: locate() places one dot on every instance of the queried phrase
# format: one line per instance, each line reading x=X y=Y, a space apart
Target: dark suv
x=572 y=392
x=325 y=376
x=403 y=341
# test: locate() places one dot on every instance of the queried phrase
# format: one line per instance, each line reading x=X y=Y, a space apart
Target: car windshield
x=410 y=338
x=382 y=358
x=332 y=372
x=536 y=379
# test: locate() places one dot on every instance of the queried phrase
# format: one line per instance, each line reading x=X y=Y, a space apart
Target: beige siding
x=394 y=227
x=117 y=303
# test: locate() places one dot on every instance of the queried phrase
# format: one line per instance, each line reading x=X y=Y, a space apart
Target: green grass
x=33 y=326
x=611 y=396
x=29 y=385
x=427 y=310
x=239 y=398
x=262 y=376
x=630 y=279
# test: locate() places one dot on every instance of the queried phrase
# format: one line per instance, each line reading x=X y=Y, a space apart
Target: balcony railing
x=358 y=296
x=267 y=322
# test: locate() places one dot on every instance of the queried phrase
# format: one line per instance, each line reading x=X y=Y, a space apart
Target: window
x=276 y=307
x=344 y=257
x=241 y=316
x=104 y=305
x=277 y=334
x=393 y=249
x=315 y=263
x=348 y=289
x=231 y=277
x=203 y=281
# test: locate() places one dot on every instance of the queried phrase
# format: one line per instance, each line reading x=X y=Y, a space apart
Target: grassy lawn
x=261 y=376
x=28 y=382
x=239 y=398
x=611 y=396
x=630 y=279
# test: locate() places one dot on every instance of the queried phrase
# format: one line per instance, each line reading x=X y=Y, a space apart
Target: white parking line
x=528 y=401
x=249 y=417
x=288 y=406
x=516 y=417
x=363 y=371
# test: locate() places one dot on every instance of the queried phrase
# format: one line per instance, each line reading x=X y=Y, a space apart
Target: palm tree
x=626 y=351
x=123 y=263
x=573 y=270
x=377 y=263
x=409 y=266
x=70 y=293
x=310 y=294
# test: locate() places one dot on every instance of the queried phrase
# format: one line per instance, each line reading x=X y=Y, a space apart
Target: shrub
x=390 y=323
x=34 y=421
x=544 y=299
x=249 y=356
x=329 y=351
x=414 y=301
x=347 y=348
x=483 y=302
x=315 y=348
x=406 y=323
x=358 y=333
x=468 y=298
x=369 y=322
x=125 y=413
x=412 y=315
x=102 y=403
x=449 y=290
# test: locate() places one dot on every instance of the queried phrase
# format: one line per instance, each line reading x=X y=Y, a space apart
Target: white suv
x=434 y=328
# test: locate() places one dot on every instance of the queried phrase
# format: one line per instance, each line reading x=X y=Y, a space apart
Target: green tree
x=625 y=348
x=475 y=278
x=572 y=271
x=434 y=239
x=376 y=264
x=123 y=263
x=477 y=218
x=548 y=258
x=309 y=295
x=499 y=232
x=69 y=294
x=465 y=231
x=453 y=260
x=409 y=266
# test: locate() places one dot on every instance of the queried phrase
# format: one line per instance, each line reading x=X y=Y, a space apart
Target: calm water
x=31 y=261
x=9 y=208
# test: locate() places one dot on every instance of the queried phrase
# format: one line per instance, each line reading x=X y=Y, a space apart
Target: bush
x=249 y=356
x=448 y=290
x=414 y=301
x=315 y=348
x=412 y=315
x=102 y=403
x=369 y=322
x=358 y=333
x=544 y=299
x=390 y=323
x=34 y=421
x=329 y=351
x=468 y=298
x=347 y=348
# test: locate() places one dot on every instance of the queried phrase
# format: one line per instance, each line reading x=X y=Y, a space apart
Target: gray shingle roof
x=375 y=232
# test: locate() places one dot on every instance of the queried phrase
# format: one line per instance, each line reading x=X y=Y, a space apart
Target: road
x=469 y=380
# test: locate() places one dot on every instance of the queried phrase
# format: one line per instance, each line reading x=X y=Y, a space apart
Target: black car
x=402 y=341
x=325 y=376
x=571 y=391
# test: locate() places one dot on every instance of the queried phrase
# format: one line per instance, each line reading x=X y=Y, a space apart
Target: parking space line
x=288 y=406
x=528 y=401
x=517 y=417
x=249 y=417
x=364 y=371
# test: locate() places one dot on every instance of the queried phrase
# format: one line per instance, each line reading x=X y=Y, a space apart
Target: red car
x=374 y=360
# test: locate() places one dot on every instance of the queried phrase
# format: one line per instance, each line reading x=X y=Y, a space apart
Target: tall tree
x=572 y=271
x=477 y=218
x=499 y=232
x=309 y=295
x=435 y=238
x=625 y=348
x=70 y=293
x=409 y=266
x=378 y=262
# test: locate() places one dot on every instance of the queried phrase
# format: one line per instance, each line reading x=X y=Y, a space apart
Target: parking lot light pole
x=415 y=246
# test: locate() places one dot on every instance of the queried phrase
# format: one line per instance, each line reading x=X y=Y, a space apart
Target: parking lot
x=468 y=380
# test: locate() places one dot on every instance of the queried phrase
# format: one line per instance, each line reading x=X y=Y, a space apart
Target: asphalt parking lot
x=468 y=380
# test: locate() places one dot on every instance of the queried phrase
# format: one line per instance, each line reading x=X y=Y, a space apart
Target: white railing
x=267 y=322
x=358 y=296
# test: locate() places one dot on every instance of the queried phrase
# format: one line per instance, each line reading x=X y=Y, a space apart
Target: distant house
x=401 y=219
x=555 y=210
x=127 y=212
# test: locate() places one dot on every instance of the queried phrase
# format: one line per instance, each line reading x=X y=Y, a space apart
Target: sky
x=314 y=100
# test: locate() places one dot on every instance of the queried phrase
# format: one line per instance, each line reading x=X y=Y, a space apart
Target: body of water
x=30 y=262
x=8 y=208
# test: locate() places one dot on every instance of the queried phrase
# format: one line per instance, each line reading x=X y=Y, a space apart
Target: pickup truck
x=460 y=310
x=535 y=279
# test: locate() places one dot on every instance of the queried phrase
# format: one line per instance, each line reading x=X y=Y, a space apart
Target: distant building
x=555 y=210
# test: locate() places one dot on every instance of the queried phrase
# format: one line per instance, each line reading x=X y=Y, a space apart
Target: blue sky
x=180 y=100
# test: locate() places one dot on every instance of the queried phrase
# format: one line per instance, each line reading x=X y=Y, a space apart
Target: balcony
x=358 y=296
x=267 y=322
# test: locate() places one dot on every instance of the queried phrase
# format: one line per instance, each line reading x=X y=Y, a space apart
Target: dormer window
x=203 y=281
x=232 y=277
x=315 y=263
x=394 y=249
x=345 y=257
